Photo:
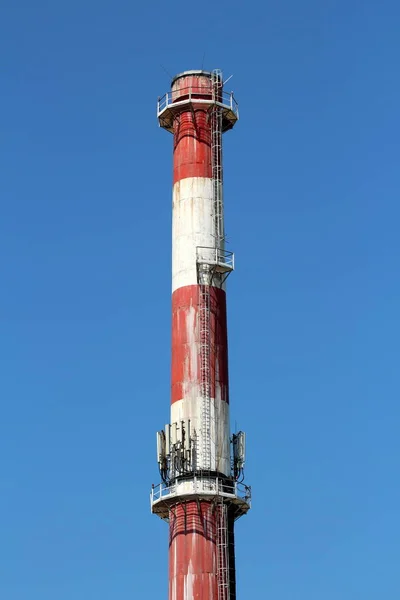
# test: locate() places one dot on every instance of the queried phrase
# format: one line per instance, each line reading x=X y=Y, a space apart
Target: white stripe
x=190 y=408
x=192 y=226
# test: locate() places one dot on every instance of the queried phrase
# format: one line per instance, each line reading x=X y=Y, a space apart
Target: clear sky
x=312 y=202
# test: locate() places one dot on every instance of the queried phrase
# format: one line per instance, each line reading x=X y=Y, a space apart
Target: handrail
x=197 y=94
x=207 y=255
x=204 y=485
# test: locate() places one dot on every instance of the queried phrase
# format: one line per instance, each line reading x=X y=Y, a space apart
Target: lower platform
x=163 y=496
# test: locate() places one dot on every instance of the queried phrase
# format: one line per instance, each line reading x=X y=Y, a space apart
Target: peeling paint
x=192 y=567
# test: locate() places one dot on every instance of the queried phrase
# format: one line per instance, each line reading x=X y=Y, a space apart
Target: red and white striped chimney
x=200 y=495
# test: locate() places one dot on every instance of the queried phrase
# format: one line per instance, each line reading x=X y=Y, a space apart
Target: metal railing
x=215 y=256
x=197 y=95
x=204 y=486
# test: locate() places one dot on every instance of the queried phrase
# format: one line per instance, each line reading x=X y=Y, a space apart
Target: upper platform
x=192 y=90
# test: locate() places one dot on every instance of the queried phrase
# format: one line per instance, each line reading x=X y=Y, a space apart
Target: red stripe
x=192 y=552
x=192 y=130
x=186 y=344
x=198 y=84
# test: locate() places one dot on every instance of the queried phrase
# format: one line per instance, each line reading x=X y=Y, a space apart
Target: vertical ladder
x=205 y=274
x=205 y=369
x=216 y=154
x=222 y=551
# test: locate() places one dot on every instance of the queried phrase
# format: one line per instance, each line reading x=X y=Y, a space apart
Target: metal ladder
x=216 y=156
x=205 y=368
x=222 y=552
x=205 y=275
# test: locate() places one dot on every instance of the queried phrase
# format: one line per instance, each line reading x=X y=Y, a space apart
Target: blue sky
x=312 y=187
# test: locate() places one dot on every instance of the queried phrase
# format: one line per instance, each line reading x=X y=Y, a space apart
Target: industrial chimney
x=201 y=493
